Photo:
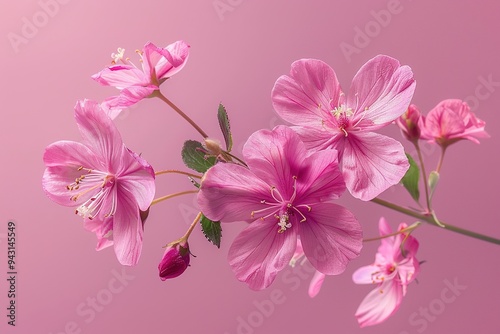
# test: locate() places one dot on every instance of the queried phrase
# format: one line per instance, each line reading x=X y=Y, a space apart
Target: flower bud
x=213 y=146
x=175 y=260
x=408 y=123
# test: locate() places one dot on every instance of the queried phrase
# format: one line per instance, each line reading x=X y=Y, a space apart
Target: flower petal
x=367 y=275
x=127 y=229
x=306 y=96
x=275 y=157
x=316 y=283
x=259 y=252
x=121 y=76
x=371 y=163
x=103 y=230
x=320 y=138
x=331 y=237
x=379 y=304
x=230 y=192
x=381 y=90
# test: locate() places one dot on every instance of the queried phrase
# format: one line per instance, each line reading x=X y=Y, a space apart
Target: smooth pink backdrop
x=236 y=56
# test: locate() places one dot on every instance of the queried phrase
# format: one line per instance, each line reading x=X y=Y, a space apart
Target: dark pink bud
x=175 y=261
x=408 y=123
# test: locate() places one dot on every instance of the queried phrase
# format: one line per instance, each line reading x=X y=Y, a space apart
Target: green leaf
x=194 y=157
x=225 y=127
x=212 y=230
x=411 y=178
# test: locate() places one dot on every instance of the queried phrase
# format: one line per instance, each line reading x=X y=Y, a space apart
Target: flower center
x=342 y=114
x=282 y=210
x=93 y=181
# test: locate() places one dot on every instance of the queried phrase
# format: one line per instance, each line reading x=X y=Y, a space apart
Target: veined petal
x=121 y=76
x=316 y=283
x=127 y=229
x=320 y=178
x=379 y=304
x=63 y=159
x=381 y=91
x=306 y=96
x=230 y=193
x=103 y=230
x=165 y=61
x=331 y=237
x=371 y=163
x=259 y=252
x=100 y=134
x=141 y=185
x=320 y=138
x=275 y=156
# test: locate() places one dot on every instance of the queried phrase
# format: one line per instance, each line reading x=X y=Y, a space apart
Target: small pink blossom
x=107 y=183
x=409 y=123
x=284 y=192
x=392 y=271
x=311 y=98
x=450 y=121
x=175 y=260
x=134 y=83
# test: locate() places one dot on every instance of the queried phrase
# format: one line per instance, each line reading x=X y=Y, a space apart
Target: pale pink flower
x=392 y=271
x=283 y=192
x=136 y=83
x=312 y=99
x=175 y=260
x=107 y=183
x=450 y=121
x=408 y=123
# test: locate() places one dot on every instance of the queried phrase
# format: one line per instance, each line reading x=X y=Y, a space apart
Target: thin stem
x=192 y=226
x=174 y=171
x=428 y=218
x=424 y=175
x=408 y=229
x=441 y=159
x=180 y=112
x=160 y=199
x=235 y=157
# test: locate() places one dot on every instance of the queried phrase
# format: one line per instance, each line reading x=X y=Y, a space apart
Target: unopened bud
x=408 y=123
x=213 y=146
x=175 y=261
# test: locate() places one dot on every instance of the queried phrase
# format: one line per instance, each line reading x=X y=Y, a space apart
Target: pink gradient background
x=448 y=44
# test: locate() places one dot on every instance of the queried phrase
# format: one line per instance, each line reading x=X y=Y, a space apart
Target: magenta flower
x=175 y=260
x=408 y=123
x=392 y=271
x=284 y=192
x=134 y=83
x=312 y=99
x=107 y=183
x=450 y=121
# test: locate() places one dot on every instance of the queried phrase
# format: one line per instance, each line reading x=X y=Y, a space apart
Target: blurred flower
x=175 y=260
x=284 y=192
x=318 y=278
x=312 y=99
x=409 y=123
x=395 y=267
x=134 y=83
x=107 y=183
x=450 y=121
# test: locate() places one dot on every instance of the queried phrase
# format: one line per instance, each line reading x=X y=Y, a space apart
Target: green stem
x=428 y=218
x=424 y=175
x=180 y=112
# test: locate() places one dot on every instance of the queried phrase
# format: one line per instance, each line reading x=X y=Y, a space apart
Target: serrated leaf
x=194 y=157
x=212 y=230
x=411 y=179
x=225 y=127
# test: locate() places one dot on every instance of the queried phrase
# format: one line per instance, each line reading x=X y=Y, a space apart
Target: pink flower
x=318 y=277
x=409 y=123
x=135 y=84
x=312 y=99
x=175 y=260
x=284 y=192
x=392 y=272
x=107 y=183
x=450 y=121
